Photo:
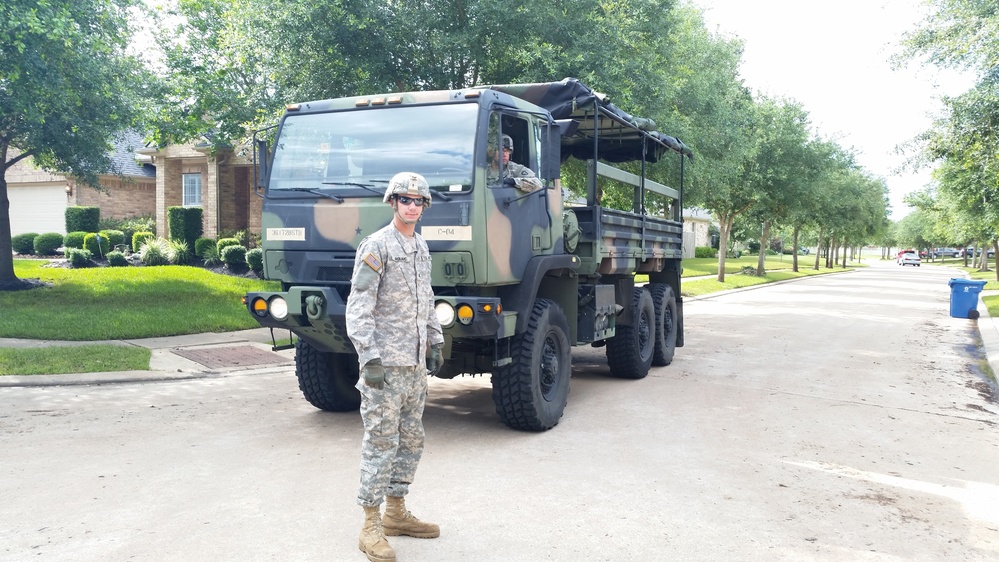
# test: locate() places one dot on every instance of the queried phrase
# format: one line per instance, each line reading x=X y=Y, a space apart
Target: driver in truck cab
x=514 y=174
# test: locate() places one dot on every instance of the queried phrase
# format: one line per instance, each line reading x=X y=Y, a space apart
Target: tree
x=66 y=89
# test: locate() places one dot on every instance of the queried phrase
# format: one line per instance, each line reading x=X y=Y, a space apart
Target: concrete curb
x=988 y=330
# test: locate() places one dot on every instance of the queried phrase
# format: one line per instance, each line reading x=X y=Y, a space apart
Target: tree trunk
x=724 y=228
x=818 y=249
x=794 y=250
x=8 y=281
x=764 y=239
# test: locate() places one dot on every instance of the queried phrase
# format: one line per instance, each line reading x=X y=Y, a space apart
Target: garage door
x=39 y=208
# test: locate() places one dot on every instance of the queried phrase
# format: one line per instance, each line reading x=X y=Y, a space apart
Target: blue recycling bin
x=964 y=297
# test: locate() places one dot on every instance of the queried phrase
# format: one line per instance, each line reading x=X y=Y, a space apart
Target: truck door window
x=525 y=151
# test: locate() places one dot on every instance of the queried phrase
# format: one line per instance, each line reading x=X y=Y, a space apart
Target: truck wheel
x=629 y=352
x=327 y=379
x=664 y=303
x=531 y=392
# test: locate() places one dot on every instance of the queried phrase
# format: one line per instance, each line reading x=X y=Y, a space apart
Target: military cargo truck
x=520 y=277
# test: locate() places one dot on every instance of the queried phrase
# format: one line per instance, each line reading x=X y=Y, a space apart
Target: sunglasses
x=418 y=201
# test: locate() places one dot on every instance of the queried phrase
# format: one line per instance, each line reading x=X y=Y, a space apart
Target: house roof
x=694 y=213
x=124 y=156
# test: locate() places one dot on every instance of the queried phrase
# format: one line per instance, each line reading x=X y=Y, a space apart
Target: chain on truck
x=520 y=278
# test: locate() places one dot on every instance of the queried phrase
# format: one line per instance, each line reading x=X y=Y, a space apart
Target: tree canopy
x=67 y=88
x=229 y=66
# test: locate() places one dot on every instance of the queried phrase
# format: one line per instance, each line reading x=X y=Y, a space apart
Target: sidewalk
x=173 y=358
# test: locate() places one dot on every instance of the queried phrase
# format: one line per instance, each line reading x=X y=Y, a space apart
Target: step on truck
x=520 y=277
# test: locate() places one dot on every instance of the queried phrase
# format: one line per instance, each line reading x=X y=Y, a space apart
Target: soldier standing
x=514 y=174
x=392 y=323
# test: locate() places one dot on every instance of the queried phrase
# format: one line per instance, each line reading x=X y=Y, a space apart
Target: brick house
x=156 y=179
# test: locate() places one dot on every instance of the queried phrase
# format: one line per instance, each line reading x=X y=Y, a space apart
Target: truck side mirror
x=260 y=164
x=551 y=141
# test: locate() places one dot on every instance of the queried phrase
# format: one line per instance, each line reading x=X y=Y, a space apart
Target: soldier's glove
x=374 y=374
x=509 y=182
x=435 y=358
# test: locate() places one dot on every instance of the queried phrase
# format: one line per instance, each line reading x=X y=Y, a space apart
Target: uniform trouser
x=393 y=433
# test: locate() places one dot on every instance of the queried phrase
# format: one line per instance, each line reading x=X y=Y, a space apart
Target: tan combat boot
x=372 y=541
x=398 y=521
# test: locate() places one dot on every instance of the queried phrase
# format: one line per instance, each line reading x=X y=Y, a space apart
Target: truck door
x=519 y=222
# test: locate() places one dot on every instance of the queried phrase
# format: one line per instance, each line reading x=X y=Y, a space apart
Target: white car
x=909 y=258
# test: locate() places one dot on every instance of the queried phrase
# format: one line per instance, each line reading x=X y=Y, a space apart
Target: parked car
x=909 y=258
x=976 y=252
x=945 y=253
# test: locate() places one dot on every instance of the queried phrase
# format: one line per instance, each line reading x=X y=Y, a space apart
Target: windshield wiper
x=353 y=184
x=315 y=191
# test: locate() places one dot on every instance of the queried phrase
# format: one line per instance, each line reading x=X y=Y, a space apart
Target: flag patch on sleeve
x=373 y=262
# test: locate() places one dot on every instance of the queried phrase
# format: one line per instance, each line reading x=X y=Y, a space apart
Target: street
x=839 y=417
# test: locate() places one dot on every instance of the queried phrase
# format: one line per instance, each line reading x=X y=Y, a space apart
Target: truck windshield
x=362 y=149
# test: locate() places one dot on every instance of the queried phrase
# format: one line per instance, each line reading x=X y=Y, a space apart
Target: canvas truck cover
x=621 y=136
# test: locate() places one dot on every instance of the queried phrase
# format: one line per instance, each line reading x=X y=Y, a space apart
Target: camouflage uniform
x=523 y=177
x=390 y=316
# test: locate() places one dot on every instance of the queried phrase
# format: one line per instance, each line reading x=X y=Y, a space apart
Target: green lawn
x=110 y=303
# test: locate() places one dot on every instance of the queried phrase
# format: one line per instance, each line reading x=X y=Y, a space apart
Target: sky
x=834 y=59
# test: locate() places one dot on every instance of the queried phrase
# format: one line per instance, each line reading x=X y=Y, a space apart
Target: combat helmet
x=408 y=183
x=508 y=142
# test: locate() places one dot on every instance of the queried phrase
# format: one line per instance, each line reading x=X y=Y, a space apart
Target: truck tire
x=630 y=351
x=327 y=379
x=664 y=303
x=531 y=392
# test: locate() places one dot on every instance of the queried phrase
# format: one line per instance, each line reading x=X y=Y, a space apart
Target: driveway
x=841 y=417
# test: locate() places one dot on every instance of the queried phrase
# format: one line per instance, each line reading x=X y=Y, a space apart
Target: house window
x=192 y=190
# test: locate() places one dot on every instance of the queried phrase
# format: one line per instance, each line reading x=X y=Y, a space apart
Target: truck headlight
x=445 y=313
x=278 y=307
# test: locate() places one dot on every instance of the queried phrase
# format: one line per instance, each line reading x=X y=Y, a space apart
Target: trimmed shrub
x=84 y=219
x=74 y=240
x=130 y=226
x=223 y=243
x=155 y=251
x=140 y=238
x=97 y=243
x=705 y=252
x=234 y=256
x=179 y=254
x=255 y=259
x=115 y=237
x=185 y=223
x=748 y=270
x=47 y=244
x=202 y=245
x=117 y=259
x=79 y=258
x=24 y=243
